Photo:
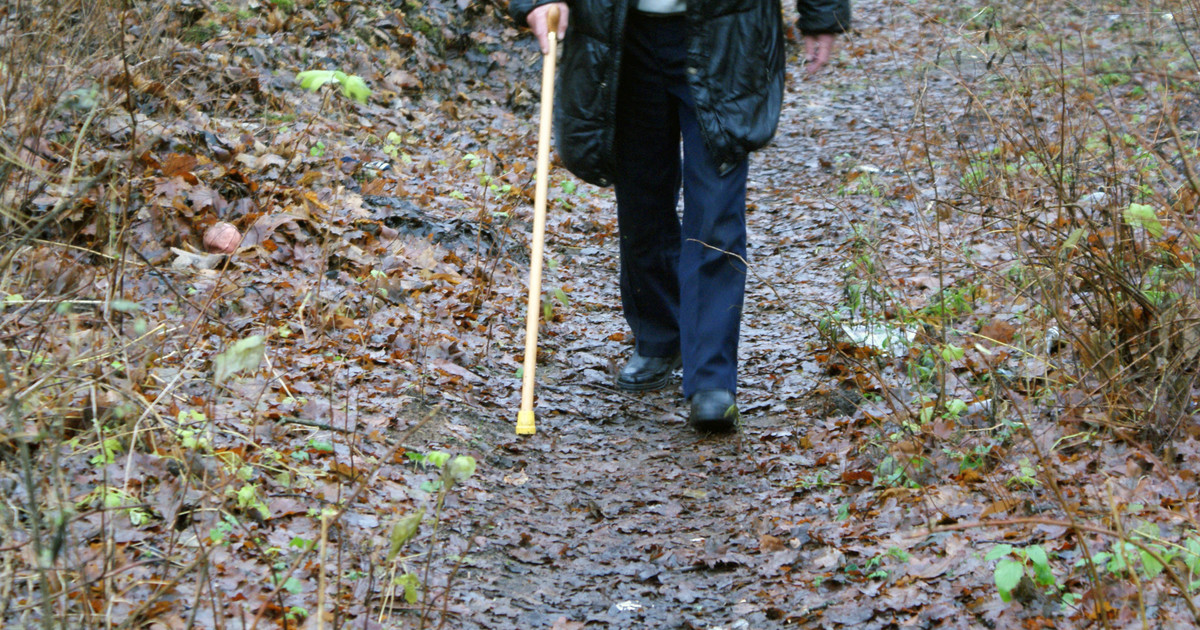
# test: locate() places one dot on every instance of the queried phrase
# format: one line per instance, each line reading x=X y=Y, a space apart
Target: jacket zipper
x=615 y=80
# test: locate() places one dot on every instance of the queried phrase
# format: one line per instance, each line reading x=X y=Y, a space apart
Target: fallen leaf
x=768 y=543
x=999 y=507
x=517 y=479
x=190 y=260
x=998 y=331
x=244 y=355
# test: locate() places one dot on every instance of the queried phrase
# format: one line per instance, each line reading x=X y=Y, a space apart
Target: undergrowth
x=1052 y=315
x=153 y=444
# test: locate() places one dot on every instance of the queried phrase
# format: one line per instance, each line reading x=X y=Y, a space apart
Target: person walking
x=640 y=79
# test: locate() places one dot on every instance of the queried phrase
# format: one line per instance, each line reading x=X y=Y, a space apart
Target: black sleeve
x=519 y=9
x=818 y=16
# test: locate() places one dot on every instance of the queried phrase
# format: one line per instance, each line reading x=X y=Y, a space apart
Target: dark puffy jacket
x=736 y=58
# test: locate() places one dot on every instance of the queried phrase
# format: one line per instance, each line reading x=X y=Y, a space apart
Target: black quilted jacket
x=736 y=58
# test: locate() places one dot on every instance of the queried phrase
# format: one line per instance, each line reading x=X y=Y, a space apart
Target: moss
x=200 y=33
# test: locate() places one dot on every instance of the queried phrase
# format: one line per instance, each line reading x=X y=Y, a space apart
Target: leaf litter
x=371 y=318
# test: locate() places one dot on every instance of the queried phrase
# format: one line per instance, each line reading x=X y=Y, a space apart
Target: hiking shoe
x=713 y=411
x=646 y=373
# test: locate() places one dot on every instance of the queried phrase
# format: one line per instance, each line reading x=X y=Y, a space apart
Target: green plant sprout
x=1026 y=475
x=353 y=86
x=1015 y=564
x=118 y=500
x=109 y=449
x=454 y=470
x=391 y=148
x=548 y=304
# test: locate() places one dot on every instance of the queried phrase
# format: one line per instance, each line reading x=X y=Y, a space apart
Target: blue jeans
x=682 y=282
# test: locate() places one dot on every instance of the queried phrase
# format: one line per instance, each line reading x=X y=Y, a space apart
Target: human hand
x=817 y=49
x=537 y=21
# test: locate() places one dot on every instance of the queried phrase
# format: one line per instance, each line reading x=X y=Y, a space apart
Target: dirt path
x=617 y=514
x=184 y=427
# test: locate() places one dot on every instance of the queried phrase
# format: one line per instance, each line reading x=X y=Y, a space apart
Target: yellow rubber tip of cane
x=525 y=423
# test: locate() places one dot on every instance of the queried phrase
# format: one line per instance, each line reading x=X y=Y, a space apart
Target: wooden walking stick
x=525 y=419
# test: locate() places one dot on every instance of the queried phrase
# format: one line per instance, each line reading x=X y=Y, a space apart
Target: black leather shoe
x=713 y=411
x=645 y=373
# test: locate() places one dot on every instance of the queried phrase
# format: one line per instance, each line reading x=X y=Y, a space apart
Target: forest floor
x=280 y=437
x=617 y=514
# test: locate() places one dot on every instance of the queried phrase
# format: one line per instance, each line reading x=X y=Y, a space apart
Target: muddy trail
x=617 y=514
x=315 y=427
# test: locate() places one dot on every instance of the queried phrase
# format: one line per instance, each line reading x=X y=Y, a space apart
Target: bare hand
x=817 y=49
x=537 y=22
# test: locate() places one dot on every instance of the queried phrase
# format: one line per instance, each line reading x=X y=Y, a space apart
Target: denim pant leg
x=647 y=186
x=682 y=285
x=712 y=269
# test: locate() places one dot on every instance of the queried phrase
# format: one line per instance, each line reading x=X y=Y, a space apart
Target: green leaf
x=1037 y=556
x=952 y=353
x=1073 y=240
x=403 y=531
x=1100 y=560
x=293 y=586
x=1142 y=215
x=997 y=552
x=302 y=543
x=113 y=500
x=562 y=297
x=247 y=495
x=1192 y=559
x=124 y=306
x=354 y=87
x=1043 y=575
x=314 y=79
x=461 y=468
x=109 y=449
x=411 y=583
x=1152 y=566
x=437 y=458
x=243 y=355
x=1116 y=563
x=1008 y=575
